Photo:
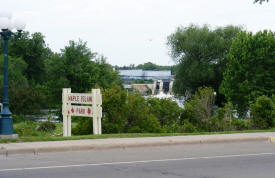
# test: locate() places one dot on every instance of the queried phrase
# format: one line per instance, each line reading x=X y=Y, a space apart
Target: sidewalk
x=54 y=146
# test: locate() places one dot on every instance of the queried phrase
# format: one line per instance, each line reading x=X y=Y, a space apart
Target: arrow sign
x=83 y=111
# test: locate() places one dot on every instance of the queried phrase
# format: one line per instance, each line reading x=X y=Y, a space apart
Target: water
x=162 y=95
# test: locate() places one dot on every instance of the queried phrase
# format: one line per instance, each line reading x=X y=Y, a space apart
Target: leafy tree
x=33 y=50
x=23 y=98
x=260 y=1
x=166 y=110
x=114 y=109
x=199 y=109
x=76 y=67
x=262 y=112
x=139 y=118
x=250 y=70
x=16 y=70
x=201 y=56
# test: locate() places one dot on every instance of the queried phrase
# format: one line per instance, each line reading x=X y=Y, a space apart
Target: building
x=138 y=74
x=163 y=80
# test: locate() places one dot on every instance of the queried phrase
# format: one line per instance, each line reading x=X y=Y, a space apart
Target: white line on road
x=135 y=162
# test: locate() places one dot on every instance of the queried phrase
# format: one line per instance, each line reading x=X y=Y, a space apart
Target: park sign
x=80 y=98
x=81 y=105
x=84 y=111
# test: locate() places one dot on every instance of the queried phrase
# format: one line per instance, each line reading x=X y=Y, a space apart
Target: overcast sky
x=133 y=31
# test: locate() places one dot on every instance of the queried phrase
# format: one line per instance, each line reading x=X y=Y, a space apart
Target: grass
x=28 y=133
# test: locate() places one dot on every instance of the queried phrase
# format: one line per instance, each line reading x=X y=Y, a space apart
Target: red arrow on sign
x=89 y=111
x=72 y=110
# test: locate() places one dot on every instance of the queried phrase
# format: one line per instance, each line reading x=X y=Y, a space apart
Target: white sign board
x=79 y=98
x=95 y=110
x=83 y=111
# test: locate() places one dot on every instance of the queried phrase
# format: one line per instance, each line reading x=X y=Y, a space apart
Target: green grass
x=56 y=135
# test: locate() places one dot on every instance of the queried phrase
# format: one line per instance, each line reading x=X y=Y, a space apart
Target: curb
x=128 y=144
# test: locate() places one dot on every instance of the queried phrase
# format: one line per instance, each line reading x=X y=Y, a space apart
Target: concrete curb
x=96 y=144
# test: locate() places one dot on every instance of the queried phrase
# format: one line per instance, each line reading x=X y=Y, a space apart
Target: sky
x=133 y=31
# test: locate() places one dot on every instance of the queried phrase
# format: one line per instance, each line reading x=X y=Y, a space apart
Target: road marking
x=272 y=139
x=134 y=162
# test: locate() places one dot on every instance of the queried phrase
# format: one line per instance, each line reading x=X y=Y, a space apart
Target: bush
x=114 y=110
x=138 y=116
x=46 y=127
x=26 y=128
x=199 y=107
x=18 y=118
x=188 y=127
x=240 y=124
x=165 y=110
x=262 y=112
x=83 y=127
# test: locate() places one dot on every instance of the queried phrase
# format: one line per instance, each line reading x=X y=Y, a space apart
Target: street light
x=6 y=25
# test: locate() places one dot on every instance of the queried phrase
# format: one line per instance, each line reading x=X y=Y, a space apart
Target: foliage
x=123 y=114
x=83 y=127
x=79 y=69
x=139 y=118
x=114 y=108
x=201 y=56
x=167 y=111
x=16 y=70
x=24 y=98
x=260 y=1
x=199 y=108
x=30 y=128
x=263 y=113
x=46 y=127
x=33 y=50
x=26 y=129
x=188 y=127
x=250 y=70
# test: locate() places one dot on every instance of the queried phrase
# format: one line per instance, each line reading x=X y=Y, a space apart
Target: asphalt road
x=245 y=159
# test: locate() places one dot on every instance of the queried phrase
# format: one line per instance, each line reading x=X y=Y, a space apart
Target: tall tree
x=78 y=68
x=260 y=1
x=250 y=70
x=33 y=50
x=201 y=56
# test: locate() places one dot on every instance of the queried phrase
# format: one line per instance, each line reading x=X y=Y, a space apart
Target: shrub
x=138 y=116
x=26 y=128
x=240 y=124
x=83 y=127
x=262 y=112
x=18 y=118
x=46 y=126
x=165 y=110
x=114 y=110
x=188 y=127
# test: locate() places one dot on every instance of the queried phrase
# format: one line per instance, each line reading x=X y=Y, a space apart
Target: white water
x=162 y=95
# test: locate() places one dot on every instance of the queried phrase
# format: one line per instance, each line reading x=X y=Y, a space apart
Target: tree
x=23 y=98
x=201 y=56
x=76 y=67
x=33 y=50
x=262 y=112
x=260 y=1
x=250 y=70
x=166 y=111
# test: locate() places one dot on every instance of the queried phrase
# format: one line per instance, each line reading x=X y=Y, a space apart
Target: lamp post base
x=10 y=136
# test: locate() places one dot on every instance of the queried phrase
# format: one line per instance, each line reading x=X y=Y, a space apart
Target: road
x=242 y=159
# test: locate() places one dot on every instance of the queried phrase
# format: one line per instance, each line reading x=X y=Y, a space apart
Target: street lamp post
x=6 y=127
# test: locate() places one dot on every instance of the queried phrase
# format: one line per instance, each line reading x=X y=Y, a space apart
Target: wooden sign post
x=94 y=100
